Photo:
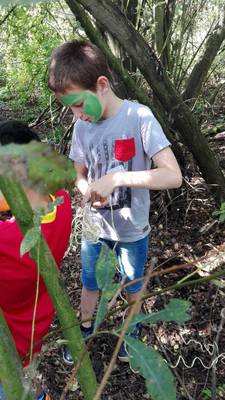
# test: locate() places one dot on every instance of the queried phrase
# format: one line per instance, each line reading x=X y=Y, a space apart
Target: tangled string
x=211 y=349
x=85 y=226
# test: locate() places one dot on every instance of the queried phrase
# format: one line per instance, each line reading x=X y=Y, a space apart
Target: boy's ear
x=103 y=84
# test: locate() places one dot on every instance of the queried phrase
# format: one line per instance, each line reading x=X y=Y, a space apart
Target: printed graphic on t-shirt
x=111 y=156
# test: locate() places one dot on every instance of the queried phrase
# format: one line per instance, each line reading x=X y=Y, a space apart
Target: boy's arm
x=82 y=184
x=81 y=177
x=166 y=175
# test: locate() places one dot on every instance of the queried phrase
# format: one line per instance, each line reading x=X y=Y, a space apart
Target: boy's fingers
x=86 y=198
x=100 y=204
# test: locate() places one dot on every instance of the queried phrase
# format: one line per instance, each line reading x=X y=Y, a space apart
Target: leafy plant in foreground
x=143 y=359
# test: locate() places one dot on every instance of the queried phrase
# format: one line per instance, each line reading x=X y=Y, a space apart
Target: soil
x=183 y=231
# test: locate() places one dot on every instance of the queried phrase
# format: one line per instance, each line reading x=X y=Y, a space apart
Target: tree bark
x=110 y=16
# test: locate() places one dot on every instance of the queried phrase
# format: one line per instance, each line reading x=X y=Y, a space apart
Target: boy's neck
x=37 y=200
x=113 y=104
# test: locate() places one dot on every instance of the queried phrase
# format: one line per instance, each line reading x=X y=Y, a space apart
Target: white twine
x=211 y=348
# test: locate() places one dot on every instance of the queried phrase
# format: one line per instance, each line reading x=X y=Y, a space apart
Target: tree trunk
x=200 y=70
x=115 y=22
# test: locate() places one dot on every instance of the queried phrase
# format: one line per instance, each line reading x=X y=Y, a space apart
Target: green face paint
x=91 y=104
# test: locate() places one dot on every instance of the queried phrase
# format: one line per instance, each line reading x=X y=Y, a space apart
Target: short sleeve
x=76 y=148
x=153 y=137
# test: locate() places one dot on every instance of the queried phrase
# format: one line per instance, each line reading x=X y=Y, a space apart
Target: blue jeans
x=132 y=257
x=2 y=396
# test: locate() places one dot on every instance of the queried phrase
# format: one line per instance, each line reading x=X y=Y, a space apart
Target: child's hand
x=99 y=201
x=99 y=191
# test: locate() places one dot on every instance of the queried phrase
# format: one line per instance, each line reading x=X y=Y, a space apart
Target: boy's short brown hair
x=76 y=63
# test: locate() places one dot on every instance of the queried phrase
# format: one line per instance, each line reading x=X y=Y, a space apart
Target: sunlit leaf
x=158 y=377
x=102 y=310
x=107 y=293
x=106 y=267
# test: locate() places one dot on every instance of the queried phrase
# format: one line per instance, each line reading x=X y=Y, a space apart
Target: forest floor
x=183 y=232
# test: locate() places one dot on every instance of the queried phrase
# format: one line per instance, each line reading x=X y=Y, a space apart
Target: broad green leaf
x=106 y=267
x=110 y=290
x=31 y=238
x=102 y=310
x=107 y=293
x=176 y=310
x=150 y=364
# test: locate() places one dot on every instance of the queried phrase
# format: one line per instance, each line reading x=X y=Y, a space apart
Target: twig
x=7 y=15
x=172 y=287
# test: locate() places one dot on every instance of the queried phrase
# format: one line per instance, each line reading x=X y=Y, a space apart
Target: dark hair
x=13 y=131
x=76 y=63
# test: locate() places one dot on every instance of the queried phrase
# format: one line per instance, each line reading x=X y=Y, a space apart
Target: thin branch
x=7 y=15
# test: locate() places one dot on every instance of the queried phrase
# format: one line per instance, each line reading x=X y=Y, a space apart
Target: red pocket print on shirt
x=124 y=149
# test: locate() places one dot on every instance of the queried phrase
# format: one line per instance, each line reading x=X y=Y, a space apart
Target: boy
x=114 y=142
x=19 y=274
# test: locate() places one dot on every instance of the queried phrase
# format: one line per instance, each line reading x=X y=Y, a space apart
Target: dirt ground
x=183 y=231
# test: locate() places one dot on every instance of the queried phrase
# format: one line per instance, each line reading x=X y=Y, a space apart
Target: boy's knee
x=88 y=280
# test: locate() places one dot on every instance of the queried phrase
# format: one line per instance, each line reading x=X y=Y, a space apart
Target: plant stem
x=11 y=373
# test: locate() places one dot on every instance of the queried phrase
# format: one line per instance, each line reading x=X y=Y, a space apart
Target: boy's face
x=85 y=104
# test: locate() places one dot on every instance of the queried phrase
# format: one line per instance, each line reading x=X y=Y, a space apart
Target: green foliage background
x=27 y=38
x=30 y=32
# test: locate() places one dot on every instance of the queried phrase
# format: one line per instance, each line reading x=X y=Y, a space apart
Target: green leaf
x=158 y=377
x=106 y=267
x=102 y=310
x=175 y=310
x=220 y=213
x=31 y=238
x=110 y=290
x=107 y=293
x=59 y=200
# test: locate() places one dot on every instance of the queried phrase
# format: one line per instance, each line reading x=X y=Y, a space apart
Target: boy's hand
x=99 y=191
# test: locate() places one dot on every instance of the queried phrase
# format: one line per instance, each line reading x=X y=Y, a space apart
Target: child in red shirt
x=18 y=275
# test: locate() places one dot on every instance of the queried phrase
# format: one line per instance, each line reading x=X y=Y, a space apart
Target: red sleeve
x=19 y=276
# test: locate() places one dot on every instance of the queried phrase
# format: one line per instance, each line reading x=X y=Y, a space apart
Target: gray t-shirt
x=124 y=142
